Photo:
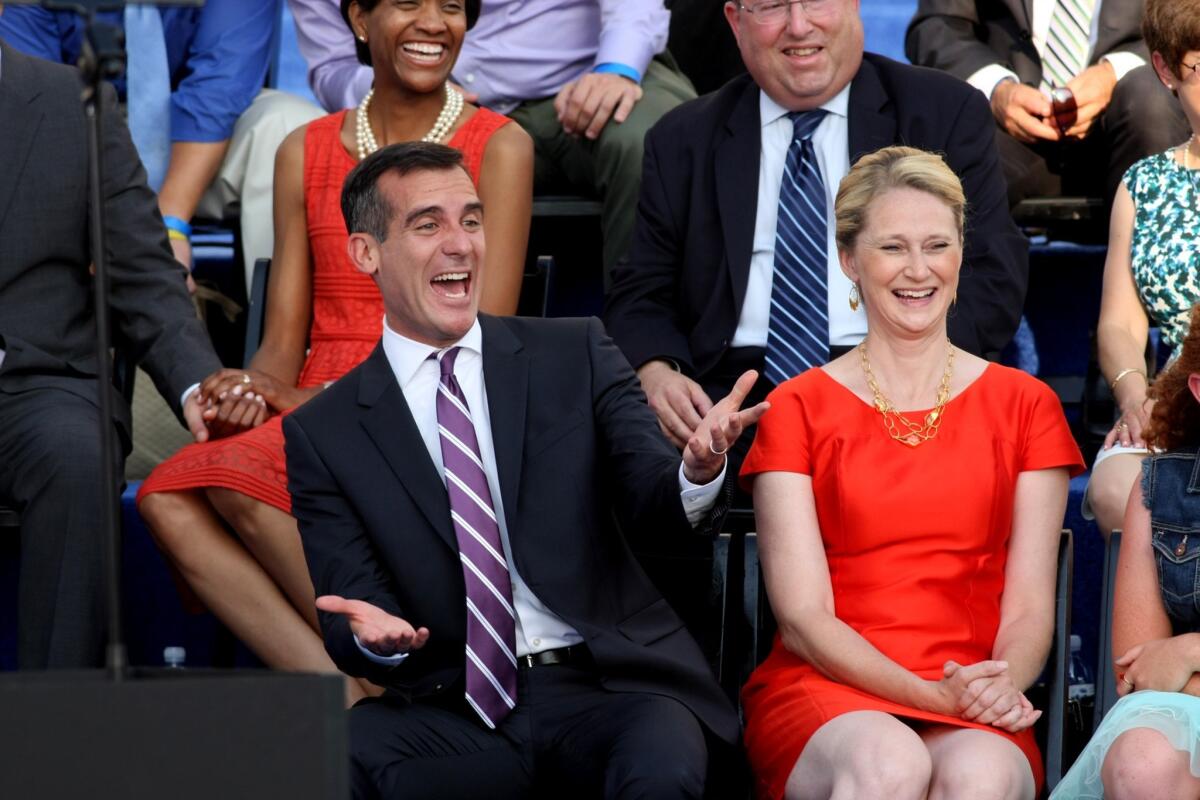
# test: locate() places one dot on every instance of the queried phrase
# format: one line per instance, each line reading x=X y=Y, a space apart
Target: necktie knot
x=446 y=361
x=804 y=123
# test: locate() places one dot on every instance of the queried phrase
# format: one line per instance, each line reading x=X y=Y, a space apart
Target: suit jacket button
x=437 y=687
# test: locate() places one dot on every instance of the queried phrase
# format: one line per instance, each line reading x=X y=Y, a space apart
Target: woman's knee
x=1108 y=491
x=1142 y=764
x=989 y=775
x=894 y=766
x=169 y=516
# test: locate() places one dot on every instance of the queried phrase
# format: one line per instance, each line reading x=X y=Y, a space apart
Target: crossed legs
x=257 y=583
x=873 y=754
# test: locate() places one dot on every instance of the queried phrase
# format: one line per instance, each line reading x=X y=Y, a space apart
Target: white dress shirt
x=987 y=78
x=538 y=628
x=832 y=143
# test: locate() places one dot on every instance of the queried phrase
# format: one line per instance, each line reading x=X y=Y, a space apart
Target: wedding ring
x=1122 y=425
x=245 y=378
x=715 y=451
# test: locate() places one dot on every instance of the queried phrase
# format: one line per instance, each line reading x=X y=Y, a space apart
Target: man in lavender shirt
x=585 y=78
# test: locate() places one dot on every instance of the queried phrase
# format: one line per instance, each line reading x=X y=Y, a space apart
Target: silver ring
x=245 y=378
x=715 y=451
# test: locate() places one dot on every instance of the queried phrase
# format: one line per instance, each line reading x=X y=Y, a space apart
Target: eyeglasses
x=773 y=12
x=1195 y=68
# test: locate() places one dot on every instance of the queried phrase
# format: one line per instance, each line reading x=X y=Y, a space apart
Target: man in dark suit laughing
x=455 y=495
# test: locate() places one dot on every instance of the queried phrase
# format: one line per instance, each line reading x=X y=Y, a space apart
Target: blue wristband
x=178 y=225
x=616 y=68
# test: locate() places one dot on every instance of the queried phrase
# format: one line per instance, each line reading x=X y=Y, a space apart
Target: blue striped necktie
x=798 y=328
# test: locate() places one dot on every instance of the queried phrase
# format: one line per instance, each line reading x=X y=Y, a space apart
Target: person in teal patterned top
x=1152 y=274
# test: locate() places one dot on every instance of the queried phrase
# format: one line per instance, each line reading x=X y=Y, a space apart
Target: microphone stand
x=102 y=57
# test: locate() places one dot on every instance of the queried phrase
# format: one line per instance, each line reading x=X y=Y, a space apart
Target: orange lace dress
x=347 y=321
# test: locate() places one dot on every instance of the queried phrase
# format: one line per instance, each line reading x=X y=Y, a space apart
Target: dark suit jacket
x=574 y=442
x=47 y=327
x=963 y=36
x=681 y=292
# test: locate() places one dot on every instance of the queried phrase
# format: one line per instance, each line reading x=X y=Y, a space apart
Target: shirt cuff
x=624 y=70
x=1124 y=63
x=183 y=398
x=988 y=78
x=698 y=499
x=387 y=661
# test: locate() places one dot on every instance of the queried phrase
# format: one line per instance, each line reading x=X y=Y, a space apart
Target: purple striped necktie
x=491 y=657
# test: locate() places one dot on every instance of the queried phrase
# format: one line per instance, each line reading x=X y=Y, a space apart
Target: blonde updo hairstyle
x=896 y=167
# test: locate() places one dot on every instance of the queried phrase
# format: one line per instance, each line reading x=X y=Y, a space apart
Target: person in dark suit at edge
x=455 y=497
x=708 y=292
x=49 y=443
x=1015 y=52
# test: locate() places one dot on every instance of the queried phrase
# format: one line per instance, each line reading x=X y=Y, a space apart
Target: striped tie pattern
x=491 y=660
x=798 y=327
x=1067 y=43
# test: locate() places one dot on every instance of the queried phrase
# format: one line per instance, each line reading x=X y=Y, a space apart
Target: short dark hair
x=1172 y=28
x=471 y=7
x=363 y=207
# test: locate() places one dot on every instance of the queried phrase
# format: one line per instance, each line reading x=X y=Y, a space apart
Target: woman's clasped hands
x=984 y=692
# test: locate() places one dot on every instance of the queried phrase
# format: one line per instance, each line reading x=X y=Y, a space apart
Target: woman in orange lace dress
x=256 y=580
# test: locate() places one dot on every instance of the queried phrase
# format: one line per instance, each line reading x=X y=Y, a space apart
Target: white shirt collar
x=769 y=111
x=406 y=355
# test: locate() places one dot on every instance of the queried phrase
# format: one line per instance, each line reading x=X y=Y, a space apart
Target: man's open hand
x=377 y=630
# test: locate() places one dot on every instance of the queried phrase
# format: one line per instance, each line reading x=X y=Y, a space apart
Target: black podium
x=178 y=734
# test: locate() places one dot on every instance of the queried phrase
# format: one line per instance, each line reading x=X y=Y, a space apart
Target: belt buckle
x=527 y=660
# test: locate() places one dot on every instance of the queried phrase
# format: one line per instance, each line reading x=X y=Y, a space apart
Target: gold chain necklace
x=913 y=434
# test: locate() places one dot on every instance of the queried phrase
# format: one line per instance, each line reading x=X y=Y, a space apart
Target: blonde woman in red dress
x=909 y=498
x=220 y=511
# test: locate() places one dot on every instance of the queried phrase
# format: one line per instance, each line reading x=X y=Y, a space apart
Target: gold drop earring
x=855 y=299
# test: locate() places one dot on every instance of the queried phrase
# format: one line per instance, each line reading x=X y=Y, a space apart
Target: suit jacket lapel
x=20 y=119
x=390 y=425
x=506 y=378
x=871 y=124
x=1027 y=7
x=736 y=172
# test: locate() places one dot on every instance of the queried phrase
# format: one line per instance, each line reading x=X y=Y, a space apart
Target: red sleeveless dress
x=347 y=321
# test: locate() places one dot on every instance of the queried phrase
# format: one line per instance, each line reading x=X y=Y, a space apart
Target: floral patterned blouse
x=1165 y=247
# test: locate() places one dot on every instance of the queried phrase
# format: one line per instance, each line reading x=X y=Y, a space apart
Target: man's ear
x=731 y=16
x=363 y=250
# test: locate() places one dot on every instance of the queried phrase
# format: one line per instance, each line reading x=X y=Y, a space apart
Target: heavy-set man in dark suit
x=695 y=303
x=1015 y=51
x=49 y=442
x=456 y=496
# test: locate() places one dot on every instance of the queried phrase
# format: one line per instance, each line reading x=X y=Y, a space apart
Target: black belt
x=575 y=654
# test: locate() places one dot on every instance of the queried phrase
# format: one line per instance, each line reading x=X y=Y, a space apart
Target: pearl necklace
x=365 y=138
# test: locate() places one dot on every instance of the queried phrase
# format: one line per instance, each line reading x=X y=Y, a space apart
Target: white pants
x=246 y=178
